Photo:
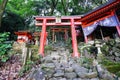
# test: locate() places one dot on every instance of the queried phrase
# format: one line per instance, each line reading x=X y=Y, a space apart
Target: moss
x=32 y=46
x=86 y=62
x=118 y=74
x=107 y=62
x=105 y=49
x=48 y=47
x=35 y=55
x=111 y=42
x=113 y=68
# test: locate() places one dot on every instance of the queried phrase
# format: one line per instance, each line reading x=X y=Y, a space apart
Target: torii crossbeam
x=71 y=21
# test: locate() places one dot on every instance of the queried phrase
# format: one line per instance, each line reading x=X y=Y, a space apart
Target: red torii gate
x=65 y=30
x=64 y=21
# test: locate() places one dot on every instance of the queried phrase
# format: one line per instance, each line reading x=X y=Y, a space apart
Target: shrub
x=4 y=46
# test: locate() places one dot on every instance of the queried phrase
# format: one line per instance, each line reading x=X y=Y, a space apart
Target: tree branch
x=2 y=8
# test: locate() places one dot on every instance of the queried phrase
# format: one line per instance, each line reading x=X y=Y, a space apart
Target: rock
x=48 y=65
x=70 y=69
x=91 y=75
x=62 y=79
x=53 y=79
x=100 y=71
x=111 y=57
x=94 y=79
x=69 y=79
x=70 y=75
x=107 y=77
x=49 y=74
x=62 y=49
x=47 y=59
x=119 y=78
x=59 y=70
x=50 y=71
x=117 y=59
x=36 y=74
x=117 y=54
x=77 y=79
x=59 y=74
x=81 y=75
x=90 y=70
x=64 y=65
x=95 y=62
x=71 y=62
x=80 y=69
x=57 y=66
x=55 y=56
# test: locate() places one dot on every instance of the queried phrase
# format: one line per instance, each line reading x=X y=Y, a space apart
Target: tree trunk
x=2 y=8
x=53 y=6
x=65 y=6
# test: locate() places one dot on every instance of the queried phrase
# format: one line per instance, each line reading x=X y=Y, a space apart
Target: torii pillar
x=44 y=24
x=43 y=38
x=74 y=40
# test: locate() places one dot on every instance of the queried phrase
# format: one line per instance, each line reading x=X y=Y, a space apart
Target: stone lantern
x=98 y=46
x=99 y=53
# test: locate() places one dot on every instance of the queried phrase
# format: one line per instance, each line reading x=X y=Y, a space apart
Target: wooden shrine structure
x=54 y=30
x=24 y=36
x=107 y=15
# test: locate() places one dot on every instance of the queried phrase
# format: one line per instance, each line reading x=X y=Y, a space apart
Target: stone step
x=59 y=66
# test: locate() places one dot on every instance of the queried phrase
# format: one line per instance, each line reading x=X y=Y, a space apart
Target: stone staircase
x=59 y=65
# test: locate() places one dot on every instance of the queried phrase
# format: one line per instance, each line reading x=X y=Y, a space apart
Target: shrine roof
x=99 y=7
x=111 y=5
x=22 y=32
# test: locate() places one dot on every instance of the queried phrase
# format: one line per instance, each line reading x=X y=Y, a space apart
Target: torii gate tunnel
x=71 y=21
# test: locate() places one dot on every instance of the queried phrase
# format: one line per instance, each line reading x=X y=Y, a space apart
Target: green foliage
x=69 y=45
x=26 y=68
x=106 y=62
x=21 y=7
x=110 y=47
x=66 y=7
x=12 y=22
x=87 y=60
x=4 y=47
x=105 y=49
x=111 y=42
x=113 y=67
x=48 y=47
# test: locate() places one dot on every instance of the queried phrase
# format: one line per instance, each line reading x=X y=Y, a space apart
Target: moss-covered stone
x=105 y=49
x=113 y=68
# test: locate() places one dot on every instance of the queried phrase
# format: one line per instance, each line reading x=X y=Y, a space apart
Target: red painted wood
x=118 y=30
x=86 y=39
x=74 y=40
x=43 y=38
x=113 y=6
x=66 y=21
x=25 y=36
